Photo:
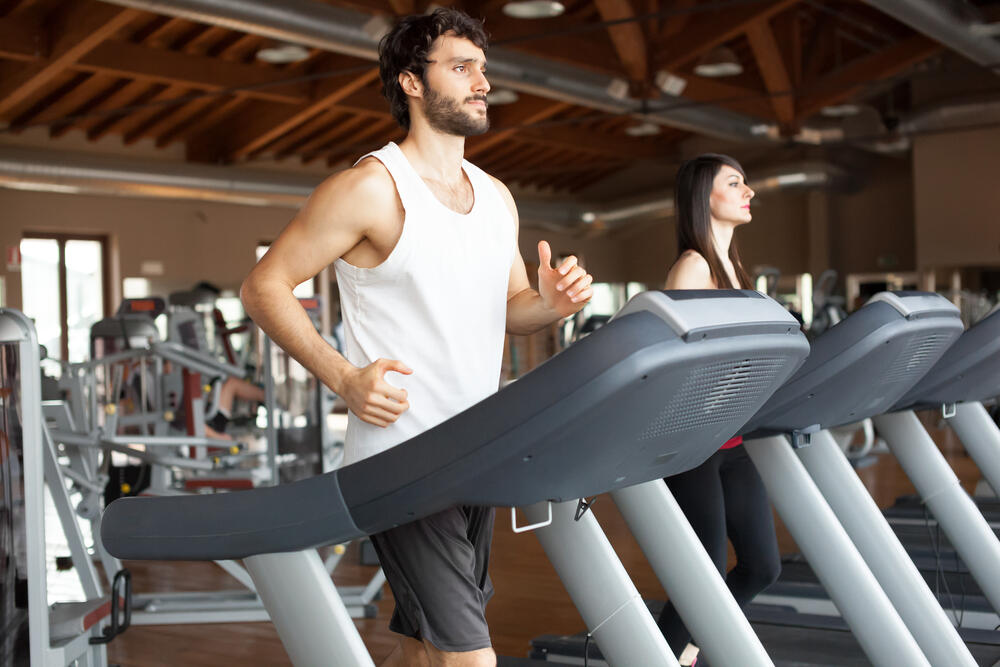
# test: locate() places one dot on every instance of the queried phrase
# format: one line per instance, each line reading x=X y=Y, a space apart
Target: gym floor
x=529 y=601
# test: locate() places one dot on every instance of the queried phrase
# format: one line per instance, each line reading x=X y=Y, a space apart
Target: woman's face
x=730 y=198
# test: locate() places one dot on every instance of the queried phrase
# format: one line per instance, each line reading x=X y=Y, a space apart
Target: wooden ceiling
x=101 y=69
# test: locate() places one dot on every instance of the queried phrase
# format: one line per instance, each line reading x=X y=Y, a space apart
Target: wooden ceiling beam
x=364 y=142
x=69 y=90
x=508 y=119
x=147 y=95
x=403 y=7
x=570 y=138
x=81 y=114
x=628 y=38
x=845 y=82
x=221 y=110
x=260 y=130
x=343 y=127
x=772 y=70
x=676 y=23
x=144 y=63
x=303 y=132
x=737 y=98
x=708 y=31
x=81 y=27
x=21 y=39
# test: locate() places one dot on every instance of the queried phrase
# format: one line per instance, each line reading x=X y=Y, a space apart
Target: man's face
x=455 y=87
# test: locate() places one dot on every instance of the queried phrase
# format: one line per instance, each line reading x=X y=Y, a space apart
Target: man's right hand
x=370 y=397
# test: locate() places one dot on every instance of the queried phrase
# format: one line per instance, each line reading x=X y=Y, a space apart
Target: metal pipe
x=322 y=26
x=941 y=21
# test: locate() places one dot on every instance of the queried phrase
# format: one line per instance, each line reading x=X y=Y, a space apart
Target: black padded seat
x=895 y=338
x=636 y=400
x=968 y=371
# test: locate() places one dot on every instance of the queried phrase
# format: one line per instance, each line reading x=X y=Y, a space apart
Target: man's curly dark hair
x=405 y=49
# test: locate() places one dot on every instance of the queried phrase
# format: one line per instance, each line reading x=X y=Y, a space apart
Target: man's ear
x=411 y=84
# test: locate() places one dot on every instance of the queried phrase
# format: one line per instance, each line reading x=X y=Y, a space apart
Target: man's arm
x=561 y=291
x=339 y=215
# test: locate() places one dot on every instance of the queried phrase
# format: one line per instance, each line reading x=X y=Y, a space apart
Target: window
x=64 y=290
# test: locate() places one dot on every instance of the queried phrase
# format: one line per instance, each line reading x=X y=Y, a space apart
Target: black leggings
x=725 y=496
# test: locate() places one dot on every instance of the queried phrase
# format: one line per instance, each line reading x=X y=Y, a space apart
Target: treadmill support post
x=981 y=438
x=307 y=611
x=940 y=490
x=883 y=553
x=698 y=591
x=840 y=568
x=600 y=588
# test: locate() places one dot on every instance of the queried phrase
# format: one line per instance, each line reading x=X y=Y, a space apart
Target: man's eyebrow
x=461 y=60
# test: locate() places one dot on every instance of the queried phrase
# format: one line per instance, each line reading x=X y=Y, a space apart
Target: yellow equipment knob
x=206 y=388
x=215 y=460
x=168 y=415
x=234 y=449
x=110 y=408
x=339 y=549
x=126 y=488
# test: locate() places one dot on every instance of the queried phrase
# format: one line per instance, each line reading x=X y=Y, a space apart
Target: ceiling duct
x=83 y=173
x=661 y=205
x=952 y=115
x=314 y=24
x=948 y=22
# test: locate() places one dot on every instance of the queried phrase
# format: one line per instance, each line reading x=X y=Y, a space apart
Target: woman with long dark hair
x=724 y=497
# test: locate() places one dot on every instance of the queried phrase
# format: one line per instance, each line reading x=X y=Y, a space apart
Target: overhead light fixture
x=618 y=88
x=643 y=129
x=841 y=110
x=719 y=62
x=501 y=96
x=669 y=83
x=282 y=54
x=533 y=9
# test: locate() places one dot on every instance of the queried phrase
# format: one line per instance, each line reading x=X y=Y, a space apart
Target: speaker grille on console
x=916 y=358
x=716 y=393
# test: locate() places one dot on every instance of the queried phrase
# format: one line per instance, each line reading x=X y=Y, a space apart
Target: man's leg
x=408 y=652
x=484 y=657
x=436 y=568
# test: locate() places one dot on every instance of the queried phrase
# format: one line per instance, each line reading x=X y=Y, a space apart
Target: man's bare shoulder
x=368 y=182
x=504 y=193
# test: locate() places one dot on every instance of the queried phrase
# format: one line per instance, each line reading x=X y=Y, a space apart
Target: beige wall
x=194 y=241
x=957 y=199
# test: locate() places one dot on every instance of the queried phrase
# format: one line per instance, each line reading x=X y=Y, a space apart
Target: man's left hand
x=565 y=289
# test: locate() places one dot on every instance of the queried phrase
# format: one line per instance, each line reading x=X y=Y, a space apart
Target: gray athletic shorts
x=437 y=570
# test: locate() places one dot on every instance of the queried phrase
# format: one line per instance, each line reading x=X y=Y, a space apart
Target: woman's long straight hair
x=694 y=216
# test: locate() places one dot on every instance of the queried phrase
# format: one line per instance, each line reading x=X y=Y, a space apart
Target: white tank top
x=438 y=303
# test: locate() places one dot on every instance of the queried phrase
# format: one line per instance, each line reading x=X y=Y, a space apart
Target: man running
x=425 y=249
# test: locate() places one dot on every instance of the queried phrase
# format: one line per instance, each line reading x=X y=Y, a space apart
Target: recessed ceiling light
x=533 y=9
x=283 y=53
x=644 y=129
x=718 y=62
x=501 y=96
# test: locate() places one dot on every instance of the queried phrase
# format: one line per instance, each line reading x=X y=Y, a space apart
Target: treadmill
x=651 y=394
x=894 y=339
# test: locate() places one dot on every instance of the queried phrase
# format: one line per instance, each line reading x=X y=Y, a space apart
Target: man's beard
x=445 y=115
